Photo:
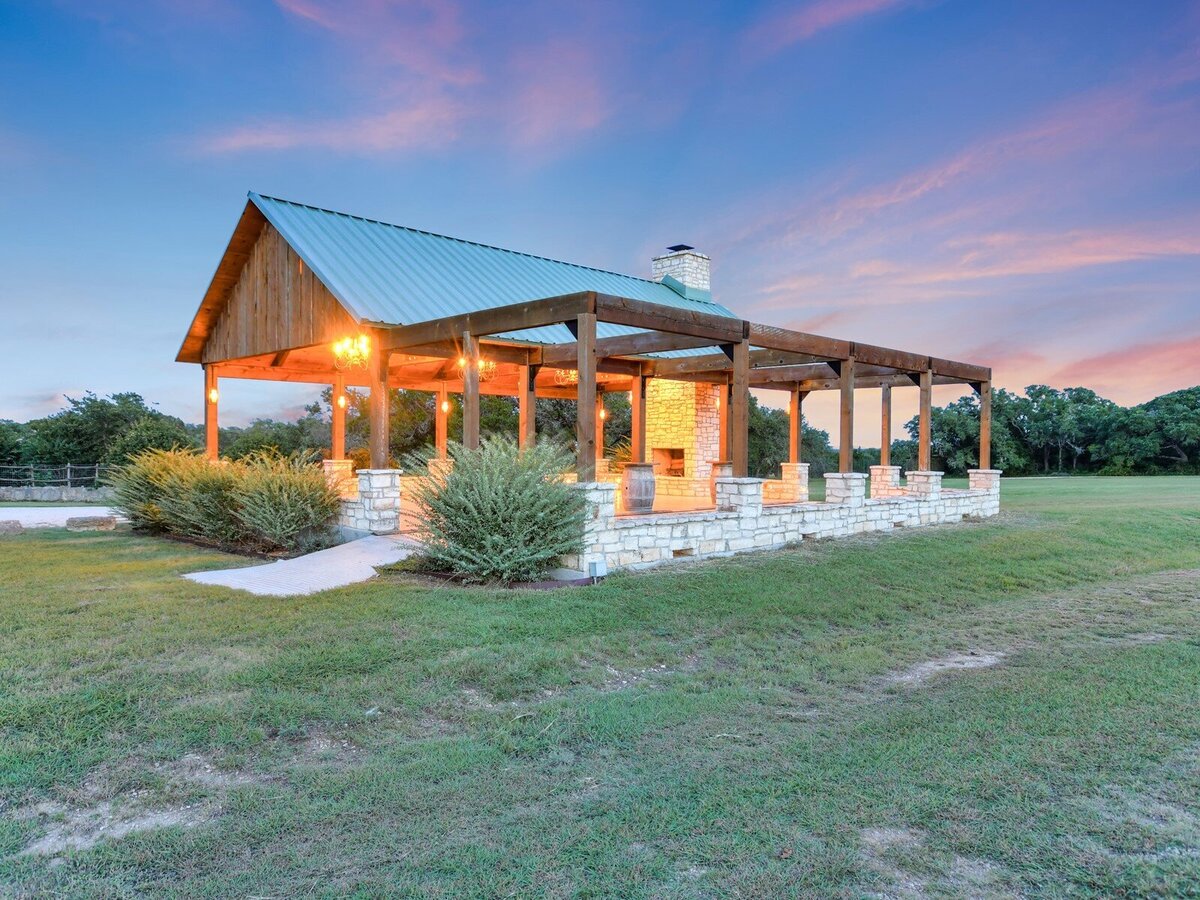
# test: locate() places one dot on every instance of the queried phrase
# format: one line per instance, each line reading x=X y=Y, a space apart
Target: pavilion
x=308 y=295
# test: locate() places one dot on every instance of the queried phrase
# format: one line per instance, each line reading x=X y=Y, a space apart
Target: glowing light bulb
x=213 y=395
x=341 y=401
x=445 y=406
x=603 y=414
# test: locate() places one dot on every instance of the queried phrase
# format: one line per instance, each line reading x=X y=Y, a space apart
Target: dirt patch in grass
x=889 y=853
x=954 y=662
x=82 y=827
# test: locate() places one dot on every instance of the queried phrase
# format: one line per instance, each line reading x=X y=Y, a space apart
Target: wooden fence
x=69 y=475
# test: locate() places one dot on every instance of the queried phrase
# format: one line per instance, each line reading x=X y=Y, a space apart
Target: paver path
x=338 y=566
x=53 y=516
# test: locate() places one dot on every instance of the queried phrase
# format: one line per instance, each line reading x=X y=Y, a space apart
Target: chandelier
x=566 y=377
x=351 y=353
x=486 y=367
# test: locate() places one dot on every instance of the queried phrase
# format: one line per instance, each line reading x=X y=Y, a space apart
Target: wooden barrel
x=720 y=469
x=637 y=487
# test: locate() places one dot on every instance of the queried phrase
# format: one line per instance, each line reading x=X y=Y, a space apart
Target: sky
x=1011 y=184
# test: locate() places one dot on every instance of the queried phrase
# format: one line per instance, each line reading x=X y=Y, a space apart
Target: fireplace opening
x=669 y=461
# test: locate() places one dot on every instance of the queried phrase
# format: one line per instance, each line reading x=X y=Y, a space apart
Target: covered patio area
x=287 y=304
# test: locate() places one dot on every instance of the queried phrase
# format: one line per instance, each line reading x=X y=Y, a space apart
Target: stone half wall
x=742 y=522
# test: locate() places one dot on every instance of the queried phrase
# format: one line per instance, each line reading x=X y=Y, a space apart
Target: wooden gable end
x=276 y=304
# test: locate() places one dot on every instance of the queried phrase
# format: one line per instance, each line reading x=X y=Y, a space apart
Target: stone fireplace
x=682 y=434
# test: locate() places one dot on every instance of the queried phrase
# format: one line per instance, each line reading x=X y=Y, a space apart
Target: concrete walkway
x=53 y=516
x=336 y=567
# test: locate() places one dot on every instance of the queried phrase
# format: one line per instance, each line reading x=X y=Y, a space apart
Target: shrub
x=286 y=501
x=500 y=513
x=263 y=502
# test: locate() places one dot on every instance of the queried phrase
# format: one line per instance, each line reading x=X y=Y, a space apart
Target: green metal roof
x=392 y=275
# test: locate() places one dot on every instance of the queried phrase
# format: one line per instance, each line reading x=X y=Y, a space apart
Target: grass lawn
x=989 y=709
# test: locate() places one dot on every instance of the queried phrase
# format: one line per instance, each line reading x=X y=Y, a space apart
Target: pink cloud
x=430 y=123
x=784 y=28
x=555 y=93
x=1137 y=373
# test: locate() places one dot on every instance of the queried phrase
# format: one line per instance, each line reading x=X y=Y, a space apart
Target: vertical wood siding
x=276 y=304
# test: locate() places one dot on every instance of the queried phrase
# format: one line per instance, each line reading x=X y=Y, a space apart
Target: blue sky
x=1016 y=184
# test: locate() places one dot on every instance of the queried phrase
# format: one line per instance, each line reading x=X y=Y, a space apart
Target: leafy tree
x=150 y=433
x=86 y=431
x=11 y=438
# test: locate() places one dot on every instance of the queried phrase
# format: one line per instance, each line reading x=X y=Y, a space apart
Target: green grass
x=724 y=728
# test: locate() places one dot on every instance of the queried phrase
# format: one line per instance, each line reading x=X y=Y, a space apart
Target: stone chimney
x=685 y=264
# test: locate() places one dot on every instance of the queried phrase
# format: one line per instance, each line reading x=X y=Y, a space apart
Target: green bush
x=500 y=513
x=286 y=501
x=263 y=502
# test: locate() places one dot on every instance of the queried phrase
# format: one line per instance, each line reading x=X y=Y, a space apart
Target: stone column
x=885 y=482
x=846 y=488
x=602 y=468
x=984 y=480
x=598 y=536
x=740 y=495
x=925 y=485
x=795 y=480
x=379 y=494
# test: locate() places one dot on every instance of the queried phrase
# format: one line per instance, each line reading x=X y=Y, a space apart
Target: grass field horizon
x=989 y=709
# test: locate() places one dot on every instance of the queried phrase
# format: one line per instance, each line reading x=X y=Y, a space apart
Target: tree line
x=1042 y=431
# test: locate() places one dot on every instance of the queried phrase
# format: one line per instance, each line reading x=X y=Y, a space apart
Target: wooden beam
x=789 y=374
x=441 y=423
x=515 y=317
x=380 y=406
x=960 y=371
x=885 y=426
x=585 y=412
x=870 y=355
x=516 y=354
x=211 y=396
x=739 y=410
x=280 y=358
x=795 y=424
x=924 y=453
x=761 y=361
x=846 y=438
x=772 y=338
x=985 y=424
x=527 y=406
x=337 y=430
x=671 y=319
x=637 y=434
x=724 y=395
x=562 y=355
x=470 y=404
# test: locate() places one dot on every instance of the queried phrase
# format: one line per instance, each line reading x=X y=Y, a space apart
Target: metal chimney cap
x=679 y=248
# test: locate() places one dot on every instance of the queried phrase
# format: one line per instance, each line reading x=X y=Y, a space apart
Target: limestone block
x=885 y=481
x=10 y=526
x=925 y=485
x=984 y=479
x=91 y=523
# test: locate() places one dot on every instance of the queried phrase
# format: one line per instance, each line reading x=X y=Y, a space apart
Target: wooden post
x=470 y=402
x=585 y=413
x=795 y=424
x=885 y=426
x=601 y=415
x=527 y=405
x=337 y=430
x=739 y=410
x=637 y=433
x=924 y=454
x=380 y=408
x=441 y=423
x=724 y=395
x=985 y=424
x=211 y=435
x=846 y=439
